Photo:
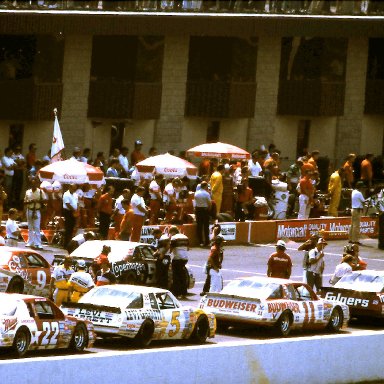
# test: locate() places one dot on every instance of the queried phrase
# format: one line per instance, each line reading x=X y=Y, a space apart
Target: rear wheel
x=22 y=341
x=201 y=331
x=144 y=336
x=283 y=325
x=336 y=320
x=79 y=339
x=16 y=285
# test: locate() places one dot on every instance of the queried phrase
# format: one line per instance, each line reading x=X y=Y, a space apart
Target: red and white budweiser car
x=362 y=291
x=279 y=303
x=32 y=322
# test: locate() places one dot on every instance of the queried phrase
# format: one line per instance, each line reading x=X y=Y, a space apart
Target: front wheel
x=336 y=320
x=79 y=339
x=201 y=331
x=21 y=342
x=145 y=334
x=283 y=325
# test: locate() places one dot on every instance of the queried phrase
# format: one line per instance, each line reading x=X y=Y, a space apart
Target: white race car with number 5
x=32 y=322
x=279 y=303
x=141 y=313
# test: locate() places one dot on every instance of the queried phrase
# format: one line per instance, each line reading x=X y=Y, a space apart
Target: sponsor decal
x=279 y=307
x=351 y=301
x=232 y=305
x=228 y=231
x=120 y=267
x=95 y=316
x=141 y=314
x=9 y=324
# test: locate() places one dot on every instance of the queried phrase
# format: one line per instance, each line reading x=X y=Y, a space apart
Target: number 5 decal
x=50 y=328
x=176 y=323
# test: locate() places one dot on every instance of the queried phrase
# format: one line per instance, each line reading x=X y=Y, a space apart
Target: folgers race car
x=31 y=322
x=142 y=314
x=24 y=271
x=362 y=291
x=270 y=302
x=131 y=263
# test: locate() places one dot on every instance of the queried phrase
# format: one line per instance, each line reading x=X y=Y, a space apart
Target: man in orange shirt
x=307 y=166
x=314 y=157
x=307 y=191
x=366 y=172
x=244 y=208
x=105 y=209
x=126 y=222
x=348 y=170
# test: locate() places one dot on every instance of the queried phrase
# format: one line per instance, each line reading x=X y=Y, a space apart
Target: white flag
x=57 y=142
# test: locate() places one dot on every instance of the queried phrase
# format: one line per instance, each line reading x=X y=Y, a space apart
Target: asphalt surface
x=243 y=261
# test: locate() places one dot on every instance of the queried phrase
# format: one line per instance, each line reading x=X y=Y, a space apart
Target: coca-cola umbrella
x=72 y=172
x=219 y=150
x=167 y=165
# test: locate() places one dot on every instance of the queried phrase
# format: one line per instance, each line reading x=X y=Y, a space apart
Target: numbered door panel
x=38 y=271
x=311 y=311
x=50 y=328
x=173 y=317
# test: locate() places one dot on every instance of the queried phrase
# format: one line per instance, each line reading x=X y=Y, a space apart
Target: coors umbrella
x=219 y=150
x=71 y=172
x=167 y=165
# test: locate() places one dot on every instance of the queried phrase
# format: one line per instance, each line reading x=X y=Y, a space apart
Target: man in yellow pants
x=80 y=282
x=216 y=182
x=58 y=289
x=334 y=189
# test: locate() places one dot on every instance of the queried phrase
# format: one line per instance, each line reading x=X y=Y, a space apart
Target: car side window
x=44 y=310
x=290 y=292
x=303 y=294
x=33 y=261
x=165 y=301
x=152 y=300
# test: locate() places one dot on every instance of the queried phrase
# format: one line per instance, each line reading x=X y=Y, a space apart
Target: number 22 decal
x=176 y=323
x=51 y=332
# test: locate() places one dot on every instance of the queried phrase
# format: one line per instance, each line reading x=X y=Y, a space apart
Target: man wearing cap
x=136 y=154
x=280 y=263
x=316 y=265
x=357 y=200
x=80 y=282
x=58 y=289
x=139 y=211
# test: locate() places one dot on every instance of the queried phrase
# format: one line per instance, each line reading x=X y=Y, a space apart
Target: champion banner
x=57 y=142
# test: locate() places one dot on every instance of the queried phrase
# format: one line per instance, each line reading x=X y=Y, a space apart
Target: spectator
x=156 y=198
x=113 y=170
x=215 y=261
x=348 y=170
x=136 y=154
x=126 y=222
x=9 y=166
x=99 y=162
x=79 y=239
x=244 y=208
x=306 y=247
x=202 y=203
x=170 y=198
x=254 y=166
x=18 y=177
x=76 y=154
x=366 y=173
x=314 y=158
x=216 y=182
x=357 y=202
x=124 y=162
x=70 y=204
x=31 y=156
x=227 y=195
x=152 y=151
x=119 y=210
x=163 y=260
x=12 y=228
x=342 y=269
x=316 y=265
x=280 y=263
x=334 y=190
x=86 y=156
x=306 y=196
x=105 y=210
x=139 y=211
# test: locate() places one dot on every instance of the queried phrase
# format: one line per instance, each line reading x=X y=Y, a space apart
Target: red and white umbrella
x=167 y=165
x=72 y=172
x=219 y=150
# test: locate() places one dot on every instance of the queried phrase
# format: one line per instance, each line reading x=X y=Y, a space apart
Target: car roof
x=19 y=296
x=92 y=248
x=370 y=272
x=134 y=288
x=267 y=279
x=15 y=249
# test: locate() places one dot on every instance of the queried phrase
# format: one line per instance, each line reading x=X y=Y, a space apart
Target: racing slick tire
x=336 y=320
x=16 y=285
x=144 y=336
x=283 y=325
x=201 y=331
x=79 y=338
x=21 y=341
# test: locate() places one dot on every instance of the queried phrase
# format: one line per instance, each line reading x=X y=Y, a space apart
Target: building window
x=302 y=143
x=376 y=59
x=213 y=132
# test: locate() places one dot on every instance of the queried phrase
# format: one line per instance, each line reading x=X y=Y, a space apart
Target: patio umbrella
x=167 y=165
x=218 y=150
x=72 y=172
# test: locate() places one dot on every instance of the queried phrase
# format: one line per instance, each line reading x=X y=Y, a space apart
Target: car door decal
x=309 y=312
x=51 y=332
x=175 y=322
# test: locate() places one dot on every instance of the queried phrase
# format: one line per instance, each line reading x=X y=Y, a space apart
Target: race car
x=271 y=302
x=131 y=263
x=31 y=322
x=142 y=314
x=24 y=271
x=362 y=291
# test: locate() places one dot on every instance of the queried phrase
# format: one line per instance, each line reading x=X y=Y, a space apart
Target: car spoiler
x=91 y=307
x=228 y=296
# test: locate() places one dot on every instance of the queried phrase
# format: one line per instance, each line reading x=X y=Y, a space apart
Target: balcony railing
x=220 y=99
x=124 y=99
x=374 y=97
x=27 y=99
x=311 y=98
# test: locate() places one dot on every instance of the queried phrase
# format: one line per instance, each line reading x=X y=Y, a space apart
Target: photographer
x=316 y=265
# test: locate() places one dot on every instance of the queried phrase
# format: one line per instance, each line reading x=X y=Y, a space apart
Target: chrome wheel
x=21 y=342
x=336 y=320
x=79 y=338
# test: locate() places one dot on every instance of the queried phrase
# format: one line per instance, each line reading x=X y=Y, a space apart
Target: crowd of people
x=337 y=7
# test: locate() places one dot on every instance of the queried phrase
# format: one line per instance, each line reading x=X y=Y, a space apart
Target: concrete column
x=261 y=129
x=76 y=75
x=168 y=130
x=349 y=126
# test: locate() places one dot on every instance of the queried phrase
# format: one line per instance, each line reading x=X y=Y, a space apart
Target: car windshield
x=7 y=307
x=113 y=298
x=251 y=288
x=361 y=282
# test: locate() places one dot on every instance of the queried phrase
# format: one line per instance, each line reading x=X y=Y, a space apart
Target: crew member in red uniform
x=105 y=208
x=280 y=263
